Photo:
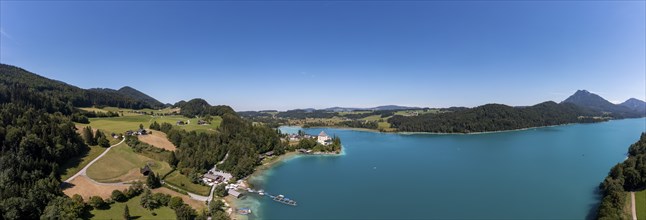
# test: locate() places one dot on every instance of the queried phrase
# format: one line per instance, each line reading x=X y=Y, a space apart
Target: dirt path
x=632 y=205
x=82 y=171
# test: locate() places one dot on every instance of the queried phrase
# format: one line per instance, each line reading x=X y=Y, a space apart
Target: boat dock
x=279 y=198
x=282 y=199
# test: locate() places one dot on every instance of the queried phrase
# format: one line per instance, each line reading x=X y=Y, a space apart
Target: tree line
x=493 y=117
x=630 y=175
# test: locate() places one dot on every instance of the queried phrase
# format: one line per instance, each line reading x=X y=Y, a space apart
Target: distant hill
x=595 y=102
x=635 y=104
x=200 y=107
x=11 y=76
x=137 y=95
x=378 y=108
x=493 y=117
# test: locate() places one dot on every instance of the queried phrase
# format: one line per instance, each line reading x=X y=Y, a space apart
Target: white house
x=323 y=138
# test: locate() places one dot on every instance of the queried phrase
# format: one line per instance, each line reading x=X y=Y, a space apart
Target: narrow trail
x=84 y=170
x=632 y=204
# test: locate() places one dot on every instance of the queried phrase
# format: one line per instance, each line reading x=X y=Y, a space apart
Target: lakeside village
x=300 y=143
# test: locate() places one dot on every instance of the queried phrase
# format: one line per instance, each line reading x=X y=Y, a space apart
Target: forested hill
x=138 y=95
x=493 y=117
x=12 y=77
x=200 y=107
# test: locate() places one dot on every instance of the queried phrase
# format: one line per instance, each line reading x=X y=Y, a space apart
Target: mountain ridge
x=584 y=98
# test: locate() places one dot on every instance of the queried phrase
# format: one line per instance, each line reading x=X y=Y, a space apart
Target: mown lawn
x=119 y=125
x=122 y=164
x=181 y=181
x=136 y=211
x=640 y=203
x=73 y=165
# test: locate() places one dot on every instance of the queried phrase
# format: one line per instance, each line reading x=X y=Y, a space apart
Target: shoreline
x=234 y=203
x=441 y=133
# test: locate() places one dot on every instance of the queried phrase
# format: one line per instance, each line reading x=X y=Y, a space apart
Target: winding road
x=83 y=171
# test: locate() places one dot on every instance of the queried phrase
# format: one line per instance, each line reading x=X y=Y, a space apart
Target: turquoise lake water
x=540 y=173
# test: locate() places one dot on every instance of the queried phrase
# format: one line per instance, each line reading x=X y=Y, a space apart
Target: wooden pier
x=279 y=198
x=282 y=199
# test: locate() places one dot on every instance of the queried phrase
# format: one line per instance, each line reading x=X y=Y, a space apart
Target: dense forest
x=629 y=175
x=36 y=136
x=137 y=95
x=493 y=117
x=199 y=107
x=67 y=94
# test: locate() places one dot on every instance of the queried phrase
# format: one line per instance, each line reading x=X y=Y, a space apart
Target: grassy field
x=73 y=165
x=119 y=125
x=192 y=126
x=122 y=164
x=181 y=181
x=640 y=203
x=136 y=211
x=131 y=112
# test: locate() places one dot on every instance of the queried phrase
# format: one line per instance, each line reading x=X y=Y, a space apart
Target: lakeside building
x=323 y=138
x=234 y=193
x=214 y=176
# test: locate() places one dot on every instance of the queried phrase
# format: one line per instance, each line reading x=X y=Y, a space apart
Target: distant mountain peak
x=635 y=104
x=586 y=99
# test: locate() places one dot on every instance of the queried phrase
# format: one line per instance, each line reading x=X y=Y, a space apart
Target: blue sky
x=281 y=55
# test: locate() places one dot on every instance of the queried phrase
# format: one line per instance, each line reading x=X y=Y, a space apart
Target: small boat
x=261 y=192
x=244 y=211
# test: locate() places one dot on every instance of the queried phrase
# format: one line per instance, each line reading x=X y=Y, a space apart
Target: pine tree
x=88 y=136
x=172 y=159
x=153 y=181
x=101 y=139
x=126 y=213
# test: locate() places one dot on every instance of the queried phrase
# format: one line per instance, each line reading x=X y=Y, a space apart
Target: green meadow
x=122 y=164
x=640 y=203
x=119 y=125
